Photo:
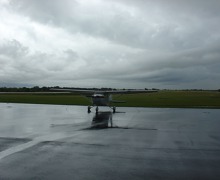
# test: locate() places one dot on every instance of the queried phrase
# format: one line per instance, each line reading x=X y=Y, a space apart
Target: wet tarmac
x=65 y=142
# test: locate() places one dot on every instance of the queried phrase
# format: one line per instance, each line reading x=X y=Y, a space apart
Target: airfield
x=65 y=142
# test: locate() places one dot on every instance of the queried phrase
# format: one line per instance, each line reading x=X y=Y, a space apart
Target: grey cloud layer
x=149 y=24
x=164 y=44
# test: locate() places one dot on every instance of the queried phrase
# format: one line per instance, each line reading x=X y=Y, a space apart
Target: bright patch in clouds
x=99 y=43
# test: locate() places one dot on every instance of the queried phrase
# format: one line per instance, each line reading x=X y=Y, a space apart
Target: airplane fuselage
x=101 y=100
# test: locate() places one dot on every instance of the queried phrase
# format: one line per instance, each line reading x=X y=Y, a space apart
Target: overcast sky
x=110 y=43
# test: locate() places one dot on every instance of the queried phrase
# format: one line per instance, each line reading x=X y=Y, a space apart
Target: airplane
x=102 y=97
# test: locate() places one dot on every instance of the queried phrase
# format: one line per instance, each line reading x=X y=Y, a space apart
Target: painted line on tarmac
x=21 y=147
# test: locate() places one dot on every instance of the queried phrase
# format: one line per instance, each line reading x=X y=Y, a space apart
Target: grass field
x=171 y=99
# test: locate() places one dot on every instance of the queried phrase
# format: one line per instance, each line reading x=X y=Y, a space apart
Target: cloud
x=164 y=44
x=158 y=25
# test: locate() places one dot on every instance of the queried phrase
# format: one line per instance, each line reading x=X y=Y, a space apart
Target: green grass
x=175 y=99
x=172 y=99
x=44 y=99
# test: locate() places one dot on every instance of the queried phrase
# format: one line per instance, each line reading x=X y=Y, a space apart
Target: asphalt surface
x=65 y=142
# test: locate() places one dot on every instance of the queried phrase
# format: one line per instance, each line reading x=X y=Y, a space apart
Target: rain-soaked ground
x=65 y=142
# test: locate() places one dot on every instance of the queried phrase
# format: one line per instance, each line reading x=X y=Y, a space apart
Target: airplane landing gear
x=89 y=109
x=114 y=109
x=97 y=109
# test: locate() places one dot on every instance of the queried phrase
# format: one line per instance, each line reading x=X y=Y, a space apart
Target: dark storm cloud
x=122 y=43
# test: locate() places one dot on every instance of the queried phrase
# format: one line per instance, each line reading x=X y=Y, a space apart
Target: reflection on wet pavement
x=102 y=120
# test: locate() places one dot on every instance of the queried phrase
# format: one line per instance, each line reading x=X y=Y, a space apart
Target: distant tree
x=45 y=89
x=24 y=89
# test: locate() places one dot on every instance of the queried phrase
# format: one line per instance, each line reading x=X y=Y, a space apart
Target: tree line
x=25 y=89
x=43 y=89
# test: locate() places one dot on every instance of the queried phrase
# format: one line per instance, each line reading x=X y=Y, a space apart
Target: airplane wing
x=133 y=91
x=77 y=91
x=88 y=92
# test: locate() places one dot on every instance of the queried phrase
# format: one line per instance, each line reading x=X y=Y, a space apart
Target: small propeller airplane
x=102 y=97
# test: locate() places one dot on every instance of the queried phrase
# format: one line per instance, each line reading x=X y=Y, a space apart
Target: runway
x=65 y=142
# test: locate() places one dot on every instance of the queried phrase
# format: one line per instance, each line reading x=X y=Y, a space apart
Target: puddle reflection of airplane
x=102 y=120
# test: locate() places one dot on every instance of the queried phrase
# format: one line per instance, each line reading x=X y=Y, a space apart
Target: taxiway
x=65 y=142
